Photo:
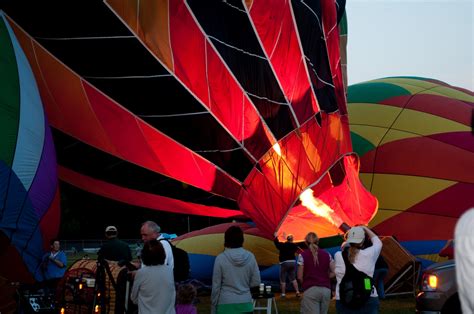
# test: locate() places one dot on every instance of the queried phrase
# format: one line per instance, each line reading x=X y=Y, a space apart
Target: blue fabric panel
x=31 y=129
x=20 y=223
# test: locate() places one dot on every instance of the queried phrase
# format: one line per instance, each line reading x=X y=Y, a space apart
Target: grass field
x=291 y=305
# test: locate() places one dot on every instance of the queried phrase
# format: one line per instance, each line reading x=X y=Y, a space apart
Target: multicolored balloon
x=29 y=198
x=414 y=136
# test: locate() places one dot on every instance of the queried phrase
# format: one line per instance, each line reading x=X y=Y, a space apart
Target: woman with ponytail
x=315 y=268
x=363 y=259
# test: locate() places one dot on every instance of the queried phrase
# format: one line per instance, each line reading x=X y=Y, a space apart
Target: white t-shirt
x=364 y=262
x=169 y=260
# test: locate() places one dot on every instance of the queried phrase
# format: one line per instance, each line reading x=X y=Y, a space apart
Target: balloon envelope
x=29 y=204
x=414 y=136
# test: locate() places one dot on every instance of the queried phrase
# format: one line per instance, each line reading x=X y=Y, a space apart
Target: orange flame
x=319 y=208
x=277 y=149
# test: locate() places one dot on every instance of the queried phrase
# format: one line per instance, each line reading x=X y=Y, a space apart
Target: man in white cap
x=114 y=249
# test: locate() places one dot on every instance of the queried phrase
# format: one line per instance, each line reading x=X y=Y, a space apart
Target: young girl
x=185 y=297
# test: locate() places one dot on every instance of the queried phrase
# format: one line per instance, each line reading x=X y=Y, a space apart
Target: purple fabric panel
x=44 y=185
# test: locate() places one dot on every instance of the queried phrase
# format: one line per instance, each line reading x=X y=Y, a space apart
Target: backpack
x=355 y=287
x=181 y=263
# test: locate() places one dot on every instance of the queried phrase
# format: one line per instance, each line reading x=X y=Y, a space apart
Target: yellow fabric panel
x=408 y=81
x=395 y=135
x=213 y=244
x=382 y=215
x=372 y=134
x=400 y=192
x=433 y=257
x=366 y=179
x=426 y=124
x=450 y=92
x=411 y=88
x=370 y=114
x=152 y=27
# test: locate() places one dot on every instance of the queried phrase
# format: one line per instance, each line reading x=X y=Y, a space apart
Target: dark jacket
x=115 y=250
x=287 y=250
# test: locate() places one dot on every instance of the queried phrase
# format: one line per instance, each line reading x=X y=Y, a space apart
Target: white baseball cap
x=111 y=229
x=355 y=235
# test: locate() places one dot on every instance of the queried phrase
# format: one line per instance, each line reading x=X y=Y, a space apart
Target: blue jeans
x=379 y=275
x=371 y=307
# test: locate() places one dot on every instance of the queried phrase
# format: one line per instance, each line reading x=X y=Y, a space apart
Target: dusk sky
x=433 y=39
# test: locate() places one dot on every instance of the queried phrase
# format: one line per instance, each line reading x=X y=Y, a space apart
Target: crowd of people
x=305 y=265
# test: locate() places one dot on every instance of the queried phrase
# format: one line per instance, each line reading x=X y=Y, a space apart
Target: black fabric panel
x=105 y=57
x=71 y=18
x=314 y=47
x=228 y=24
x=97 y=164
x=150 y=96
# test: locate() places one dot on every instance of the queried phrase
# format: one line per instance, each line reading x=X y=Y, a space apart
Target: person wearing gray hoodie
x=235 y=272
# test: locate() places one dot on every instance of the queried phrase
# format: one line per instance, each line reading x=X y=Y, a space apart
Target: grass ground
x=291 y=305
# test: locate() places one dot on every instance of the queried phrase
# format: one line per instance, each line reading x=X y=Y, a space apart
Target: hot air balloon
x=204 y=245
x=414 y=136
x=29 y=198
x=222 y=109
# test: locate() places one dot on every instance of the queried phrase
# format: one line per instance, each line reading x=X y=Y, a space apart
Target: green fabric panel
x=360 y=145
x=9 y=96
x=343 y=25
x=373 y=92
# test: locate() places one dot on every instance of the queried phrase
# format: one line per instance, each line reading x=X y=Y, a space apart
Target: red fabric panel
x=142 y=199
x=350 y=200
x=331 y=32
x=147 y=147
x=397 y=101
x=408 y=226
x=275 y=26
x=445 y=107
x=262 y=202
x=453 y=201
x=462 y=140
x=203 y=72
x=11 y=263
x=422 y=156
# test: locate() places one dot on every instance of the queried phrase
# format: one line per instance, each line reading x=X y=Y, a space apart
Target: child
x=185 y=297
